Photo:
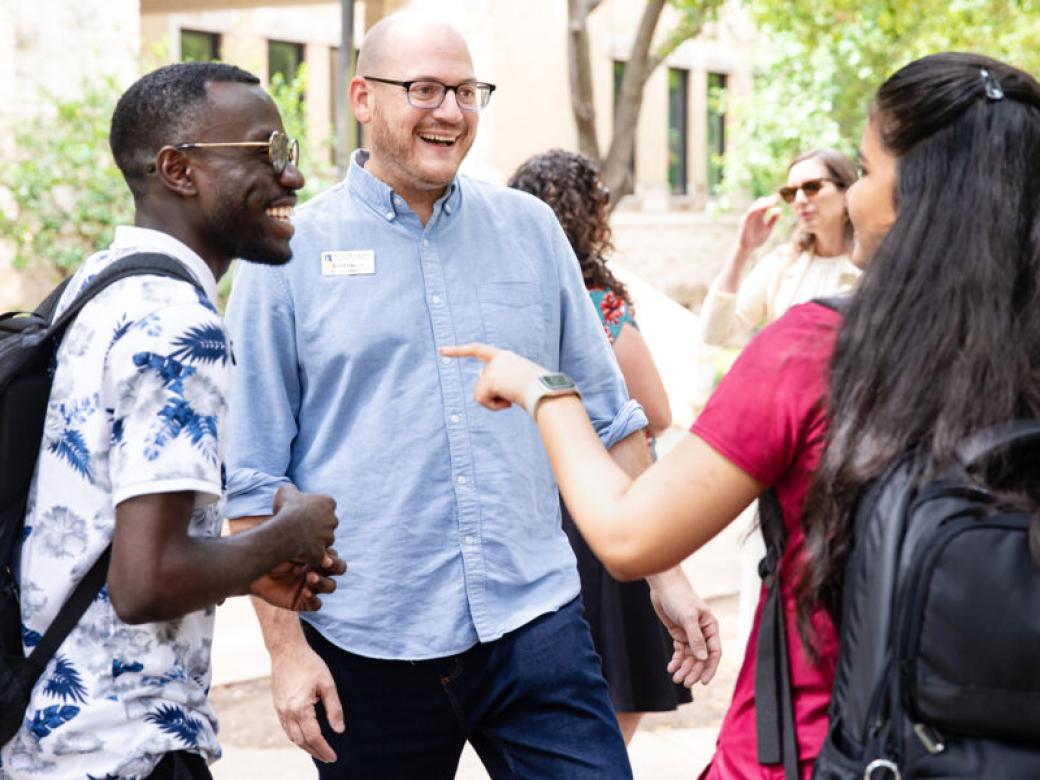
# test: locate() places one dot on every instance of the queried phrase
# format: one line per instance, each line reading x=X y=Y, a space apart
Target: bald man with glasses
x=460 y=618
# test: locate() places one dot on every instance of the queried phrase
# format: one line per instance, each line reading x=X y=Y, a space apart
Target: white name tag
x=359 y=261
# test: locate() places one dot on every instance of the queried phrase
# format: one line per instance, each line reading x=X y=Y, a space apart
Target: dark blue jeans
x=533 y=704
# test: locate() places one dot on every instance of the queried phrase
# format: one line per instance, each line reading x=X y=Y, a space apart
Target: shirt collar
x=381 y=197
x=133 y=237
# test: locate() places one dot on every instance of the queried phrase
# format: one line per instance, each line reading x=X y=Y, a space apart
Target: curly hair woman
x=628 y=637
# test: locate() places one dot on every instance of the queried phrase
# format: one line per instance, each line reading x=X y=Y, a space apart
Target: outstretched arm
x=637 y=527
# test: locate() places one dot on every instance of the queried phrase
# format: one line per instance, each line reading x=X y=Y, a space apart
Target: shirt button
x=454 y=418
x=389 y=215
x=470 y=540
x=446 y=360
x=461 y=479
x=435 y=298
x=425 y=242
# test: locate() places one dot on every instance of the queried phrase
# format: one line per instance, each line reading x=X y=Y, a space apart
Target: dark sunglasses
x=810 y=187
x=281 y=149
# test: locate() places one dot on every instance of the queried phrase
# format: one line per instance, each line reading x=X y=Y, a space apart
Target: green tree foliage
x=66 y=193
x=821 y=60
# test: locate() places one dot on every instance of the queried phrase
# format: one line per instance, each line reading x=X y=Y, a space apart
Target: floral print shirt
x=137 y=407
x=612 y=310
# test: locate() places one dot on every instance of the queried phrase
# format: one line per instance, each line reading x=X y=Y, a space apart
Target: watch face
x=557 y=381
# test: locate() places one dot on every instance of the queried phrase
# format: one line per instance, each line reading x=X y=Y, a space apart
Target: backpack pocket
x=973 y=632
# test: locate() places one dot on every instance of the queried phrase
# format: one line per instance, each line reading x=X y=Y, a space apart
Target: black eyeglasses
x=429 y=94
x=280 y=149
x=811 y=188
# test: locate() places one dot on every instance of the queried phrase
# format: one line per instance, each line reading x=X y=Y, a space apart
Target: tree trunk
x=580 y=68
x=617 y=174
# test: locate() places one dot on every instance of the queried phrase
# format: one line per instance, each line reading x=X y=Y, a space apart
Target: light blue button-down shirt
x=449 y=516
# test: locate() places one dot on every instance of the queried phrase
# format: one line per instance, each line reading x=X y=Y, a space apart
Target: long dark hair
x=570 y=183
x=943 y=335
x=843 y=171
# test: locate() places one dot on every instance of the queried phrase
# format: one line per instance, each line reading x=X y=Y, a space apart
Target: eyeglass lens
x=430 y=94
x=810 y=188
x=283 y=151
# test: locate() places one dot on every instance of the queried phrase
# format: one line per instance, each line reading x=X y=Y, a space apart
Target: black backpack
x=28 y=344
x=938 y=674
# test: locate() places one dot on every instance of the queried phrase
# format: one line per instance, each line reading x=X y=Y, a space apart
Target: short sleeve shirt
x=136 y=408
x=768 y=417
x=613 y=312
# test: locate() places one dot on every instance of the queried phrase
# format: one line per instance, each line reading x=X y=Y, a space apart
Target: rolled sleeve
x=586 y=355
x=265 y=389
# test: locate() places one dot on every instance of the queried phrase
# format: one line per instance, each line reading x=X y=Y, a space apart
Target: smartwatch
x=548 y=386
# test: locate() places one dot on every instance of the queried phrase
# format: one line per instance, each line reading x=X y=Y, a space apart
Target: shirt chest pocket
x=513 y=315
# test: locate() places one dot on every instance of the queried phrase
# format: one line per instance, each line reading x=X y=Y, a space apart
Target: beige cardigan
x=778 y=281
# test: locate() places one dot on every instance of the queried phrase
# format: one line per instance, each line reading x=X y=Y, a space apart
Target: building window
x=678 y=89
x=199 y=46
x=619 y=76
x=716 y=131
x=283 y=59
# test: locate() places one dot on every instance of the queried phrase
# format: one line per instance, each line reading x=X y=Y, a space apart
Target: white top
x=778 y=281
x=137 y=407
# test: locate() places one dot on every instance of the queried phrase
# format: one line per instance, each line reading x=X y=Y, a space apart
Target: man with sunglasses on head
x=460 y=618
x=133 y=444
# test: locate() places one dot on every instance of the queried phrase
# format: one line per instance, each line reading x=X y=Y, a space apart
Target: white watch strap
x=536 y=391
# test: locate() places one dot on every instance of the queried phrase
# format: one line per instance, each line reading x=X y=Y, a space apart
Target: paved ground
x=667 y=259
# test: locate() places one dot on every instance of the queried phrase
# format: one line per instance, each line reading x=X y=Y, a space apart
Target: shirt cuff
x=206 y=493
x=628 y=420
x=251 y=493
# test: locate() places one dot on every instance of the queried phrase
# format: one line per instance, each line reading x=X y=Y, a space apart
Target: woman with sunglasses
x=942 y=339
x=814 y=263
x=633 y=647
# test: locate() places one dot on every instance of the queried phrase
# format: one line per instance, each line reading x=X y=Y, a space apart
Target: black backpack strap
x=838 y=303
x=66 y=619
x=774 y=707
x=140 y=263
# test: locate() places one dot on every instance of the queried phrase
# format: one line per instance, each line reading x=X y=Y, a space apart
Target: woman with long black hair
x=941 y=339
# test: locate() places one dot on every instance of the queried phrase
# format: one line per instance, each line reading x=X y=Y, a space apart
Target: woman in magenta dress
x=634 y=649
x=941 y=339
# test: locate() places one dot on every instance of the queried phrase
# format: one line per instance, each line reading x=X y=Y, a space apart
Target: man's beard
x=236 y=236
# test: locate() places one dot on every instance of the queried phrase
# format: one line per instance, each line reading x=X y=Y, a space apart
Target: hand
x=299 y=680
x=309 y=523
x=758 y=222
x=295 y=586
x=692 y=626
x=505 y=377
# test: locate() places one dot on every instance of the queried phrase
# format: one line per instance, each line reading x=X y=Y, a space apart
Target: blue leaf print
x=46 y=720
x=65 y=683
x=30 y=638
x=71 y=448
x=120 y=668
x=120 y=331
x=202 y=344
x=102 y=595
x=173 y=720
x=205 y=301
x=26 y=530
x=169 y=369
